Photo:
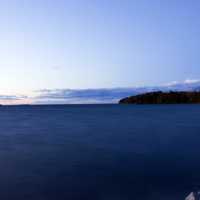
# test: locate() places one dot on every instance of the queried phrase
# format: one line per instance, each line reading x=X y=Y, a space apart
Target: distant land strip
x=163 y=98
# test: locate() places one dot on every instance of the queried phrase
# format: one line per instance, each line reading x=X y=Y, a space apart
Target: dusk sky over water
x=99 y=99
x=81 y=44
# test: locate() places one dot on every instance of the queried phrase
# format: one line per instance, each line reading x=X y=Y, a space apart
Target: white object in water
x=190 y=196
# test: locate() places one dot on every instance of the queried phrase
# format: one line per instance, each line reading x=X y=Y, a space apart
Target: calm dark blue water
x=99 y=152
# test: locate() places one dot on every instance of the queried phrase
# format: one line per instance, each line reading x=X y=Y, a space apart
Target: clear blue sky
x=97 y=43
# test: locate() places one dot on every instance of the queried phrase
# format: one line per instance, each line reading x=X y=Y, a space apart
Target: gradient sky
x=97 y=43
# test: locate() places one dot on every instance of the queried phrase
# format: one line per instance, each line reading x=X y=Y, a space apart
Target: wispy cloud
x=191 y=81
x=11 y=97
x=14 y=99
x=187 y=81
x=84 y=95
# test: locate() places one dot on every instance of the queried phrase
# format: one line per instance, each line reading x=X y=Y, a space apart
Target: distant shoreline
x=163 y=98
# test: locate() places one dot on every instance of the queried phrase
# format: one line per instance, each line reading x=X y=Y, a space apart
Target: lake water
x=99 y=152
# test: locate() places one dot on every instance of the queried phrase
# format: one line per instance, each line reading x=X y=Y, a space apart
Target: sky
x=92 y=44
